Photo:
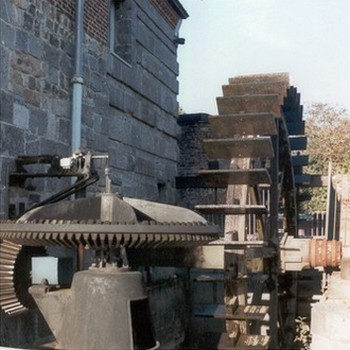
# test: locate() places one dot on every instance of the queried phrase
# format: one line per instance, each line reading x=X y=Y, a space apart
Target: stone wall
x=129 y=108
x=129 y=111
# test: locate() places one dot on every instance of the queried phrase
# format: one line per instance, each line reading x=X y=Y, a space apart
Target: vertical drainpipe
x=77 y=80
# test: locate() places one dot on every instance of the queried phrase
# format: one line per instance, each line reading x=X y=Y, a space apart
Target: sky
x=310 y=39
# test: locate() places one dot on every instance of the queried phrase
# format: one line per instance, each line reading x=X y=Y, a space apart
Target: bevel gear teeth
x=9 y=301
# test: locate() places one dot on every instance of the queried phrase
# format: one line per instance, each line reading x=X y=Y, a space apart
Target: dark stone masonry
x=129 y=111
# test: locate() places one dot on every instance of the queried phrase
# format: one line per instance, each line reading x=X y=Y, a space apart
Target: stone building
x=125 y=67
x=128 y=74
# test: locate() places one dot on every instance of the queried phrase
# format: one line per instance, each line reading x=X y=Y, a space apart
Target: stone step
x=239 y=313
x=292 y=98
x=296 y=128
x=219 y=341
x=251 y=342
x=297 y=143
x=300 y=160
x=223 y=126
x=210 y=278
x=224 y=341
x=252 y=147
x=257 y=88
x=256 y=78
x=234 y=244
x=224 y=177
x=250 y=104
x=298 y=170
x=303 y=197
x=293 y=114
x=231 y=209
x=303 y=180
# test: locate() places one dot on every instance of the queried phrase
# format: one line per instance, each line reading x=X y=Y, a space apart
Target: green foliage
x=318 y=201
x=328 y=131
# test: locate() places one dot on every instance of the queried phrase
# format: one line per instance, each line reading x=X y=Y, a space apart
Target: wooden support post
x=330 y=216
x=273 y=240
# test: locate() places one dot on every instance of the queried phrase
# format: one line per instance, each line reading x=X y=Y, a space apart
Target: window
x=120 y=29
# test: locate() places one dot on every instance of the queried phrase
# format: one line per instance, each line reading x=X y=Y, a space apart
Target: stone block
x=257 y=78
x=52 y=75
x=67 y=47
x=59 y=107
x=35 y=46
x=100 y=143
x=50 y=56
x=168 y=102
x=8 y=34
x=119 y=126
x=92 y=62
x=12 y=140
x=121 y=156
x=144 y=165
x=32 y=147
x=156 y=67
x=249 y=104
x=26 y=64
x=32 y=97
x=53 y=147
x=104 y=124
x=21 y=116
x=149 y=112
x=97 y=122
x=116 y=95
x=28 y=22
x=21 y=40
x=5 y=10
x=54 y=41
x=4 y=67
x=132 y=104
x=64 y=130
x=150 y=88
x=97 y=82
x=6 y=106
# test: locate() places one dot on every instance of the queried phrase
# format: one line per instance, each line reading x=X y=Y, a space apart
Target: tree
x=328 y=131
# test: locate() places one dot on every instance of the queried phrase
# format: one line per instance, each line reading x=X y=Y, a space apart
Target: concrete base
x=330 y=319
x=330 y=324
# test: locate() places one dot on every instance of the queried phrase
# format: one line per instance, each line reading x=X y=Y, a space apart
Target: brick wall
x=195 y=128
x=95 y=19
x=167 y=11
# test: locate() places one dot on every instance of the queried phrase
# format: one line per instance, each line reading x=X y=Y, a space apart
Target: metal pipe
x=77 y=80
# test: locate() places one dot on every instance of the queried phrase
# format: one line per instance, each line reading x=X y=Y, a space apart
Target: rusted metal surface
x=325 y=253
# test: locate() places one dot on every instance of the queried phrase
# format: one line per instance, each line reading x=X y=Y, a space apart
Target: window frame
x=113 y=33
